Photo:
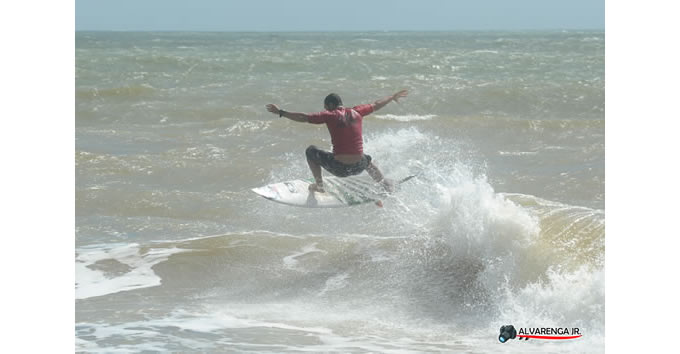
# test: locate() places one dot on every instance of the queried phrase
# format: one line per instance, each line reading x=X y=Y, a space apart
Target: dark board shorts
x=326 y=160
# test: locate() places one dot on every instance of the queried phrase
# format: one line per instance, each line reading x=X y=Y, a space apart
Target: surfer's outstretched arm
x=298 y=117
x=383 y=102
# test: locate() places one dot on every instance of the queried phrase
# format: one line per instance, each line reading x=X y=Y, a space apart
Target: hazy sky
x=337 y=15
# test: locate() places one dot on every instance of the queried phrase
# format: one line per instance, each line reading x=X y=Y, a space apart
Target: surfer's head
x=332 y=102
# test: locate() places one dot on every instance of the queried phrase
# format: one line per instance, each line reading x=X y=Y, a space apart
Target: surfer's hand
x=273 y=108
x=398 y=95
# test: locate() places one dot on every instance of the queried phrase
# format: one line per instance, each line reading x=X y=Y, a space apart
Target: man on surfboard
x=344 y=125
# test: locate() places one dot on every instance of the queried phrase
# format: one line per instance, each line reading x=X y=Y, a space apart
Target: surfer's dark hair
x=333 y=101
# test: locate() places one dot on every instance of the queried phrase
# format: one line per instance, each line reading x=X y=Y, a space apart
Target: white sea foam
x=517 y=153
x=291 y=261
x=484 y=51
x=482 y=223
x=113 y=268
x=405 y=117
x=152 y=334
x=334 y=283
x=248 y=126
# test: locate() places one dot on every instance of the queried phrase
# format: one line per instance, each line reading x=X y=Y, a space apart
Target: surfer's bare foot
x=388 y=185
x=316 y=188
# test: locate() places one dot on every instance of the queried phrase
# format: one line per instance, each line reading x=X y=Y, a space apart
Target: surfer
x=344 y=125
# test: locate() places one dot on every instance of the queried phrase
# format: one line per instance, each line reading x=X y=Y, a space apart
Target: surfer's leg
x=316 y=172
x=313 y=160
x=374 y=172
x=377 y=176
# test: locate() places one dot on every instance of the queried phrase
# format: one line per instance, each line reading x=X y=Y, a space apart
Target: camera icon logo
x=507 y=332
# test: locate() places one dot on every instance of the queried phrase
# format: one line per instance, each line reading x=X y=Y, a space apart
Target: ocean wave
x=475 y=259
x=472 y=261
x=114 y=268
x=133 y=91
x=405 y=118
x=471 y=252
x=247 y=127
x=517 y=153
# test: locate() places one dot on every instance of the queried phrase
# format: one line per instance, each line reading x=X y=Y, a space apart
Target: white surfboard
x=339 y=192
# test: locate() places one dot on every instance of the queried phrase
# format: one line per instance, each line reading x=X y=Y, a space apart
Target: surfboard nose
x=265 y=192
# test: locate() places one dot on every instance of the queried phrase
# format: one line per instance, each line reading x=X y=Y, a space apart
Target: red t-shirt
x=344 y=124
